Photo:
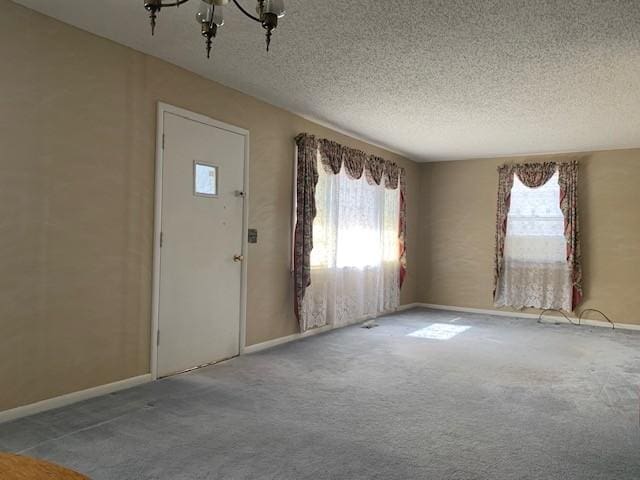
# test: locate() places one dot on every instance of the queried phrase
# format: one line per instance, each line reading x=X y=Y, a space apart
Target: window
x=355 y=260
x=205 y=180
x=535 y=227
x=356 y=224
x=536 y=273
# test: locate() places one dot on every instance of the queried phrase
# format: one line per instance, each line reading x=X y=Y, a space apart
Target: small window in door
x=205 y=180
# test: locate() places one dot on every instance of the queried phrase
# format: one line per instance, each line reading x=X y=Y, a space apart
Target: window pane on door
x=206 y=180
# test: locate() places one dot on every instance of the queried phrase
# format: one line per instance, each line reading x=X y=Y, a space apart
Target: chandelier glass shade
x=210 y=16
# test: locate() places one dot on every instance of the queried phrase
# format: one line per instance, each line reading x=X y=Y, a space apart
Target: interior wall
x=77 y=129
x=457 y=231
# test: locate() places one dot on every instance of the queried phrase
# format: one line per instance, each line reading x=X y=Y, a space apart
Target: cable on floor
x=560 y=312
x=613 y=325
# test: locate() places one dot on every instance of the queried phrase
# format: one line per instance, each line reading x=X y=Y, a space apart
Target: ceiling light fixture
x=210 y=16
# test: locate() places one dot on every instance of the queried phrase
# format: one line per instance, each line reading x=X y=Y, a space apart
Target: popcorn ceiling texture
x=433 y=80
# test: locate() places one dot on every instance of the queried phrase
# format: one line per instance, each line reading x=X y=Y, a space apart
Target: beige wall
x=77 y=129
x=457 y=223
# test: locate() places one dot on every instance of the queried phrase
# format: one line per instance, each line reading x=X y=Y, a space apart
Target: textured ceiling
x=434 y=80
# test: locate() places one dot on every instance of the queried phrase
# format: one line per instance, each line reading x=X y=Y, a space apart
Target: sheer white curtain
x=355 y=257
x=536 y=273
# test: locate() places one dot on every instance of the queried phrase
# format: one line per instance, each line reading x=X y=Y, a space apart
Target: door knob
x=238 y=258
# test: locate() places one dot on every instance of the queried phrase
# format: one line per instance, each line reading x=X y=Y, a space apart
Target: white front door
x=202 y=232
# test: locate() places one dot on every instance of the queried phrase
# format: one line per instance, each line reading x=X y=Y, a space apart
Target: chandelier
x=210 y=16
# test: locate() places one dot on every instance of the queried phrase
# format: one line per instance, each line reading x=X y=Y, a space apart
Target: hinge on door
x=158 y=338
x=163 y=141
x=161 y=238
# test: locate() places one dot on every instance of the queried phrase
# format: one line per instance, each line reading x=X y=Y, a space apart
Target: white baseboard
x=74 y=397
x=298 y=336
x=408 y=306
x=70 y=398
x=514 y=314
x=282 y=340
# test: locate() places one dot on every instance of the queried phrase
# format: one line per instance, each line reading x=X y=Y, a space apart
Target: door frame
x=157 y=224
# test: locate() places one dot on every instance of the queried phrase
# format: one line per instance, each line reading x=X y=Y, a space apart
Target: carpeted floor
x=505 y=399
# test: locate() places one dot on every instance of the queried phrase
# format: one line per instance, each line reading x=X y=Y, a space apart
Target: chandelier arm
x=241 y=8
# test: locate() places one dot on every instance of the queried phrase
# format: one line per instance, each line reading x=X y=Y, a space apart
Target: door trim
x=157 y=224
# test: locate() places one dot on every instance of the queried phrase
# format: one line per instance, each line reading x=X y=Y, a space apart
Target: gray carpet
x=506 y=399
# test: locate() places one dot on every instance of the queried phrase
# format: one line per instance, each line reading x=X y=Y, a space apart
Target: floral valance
x=333 y=158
